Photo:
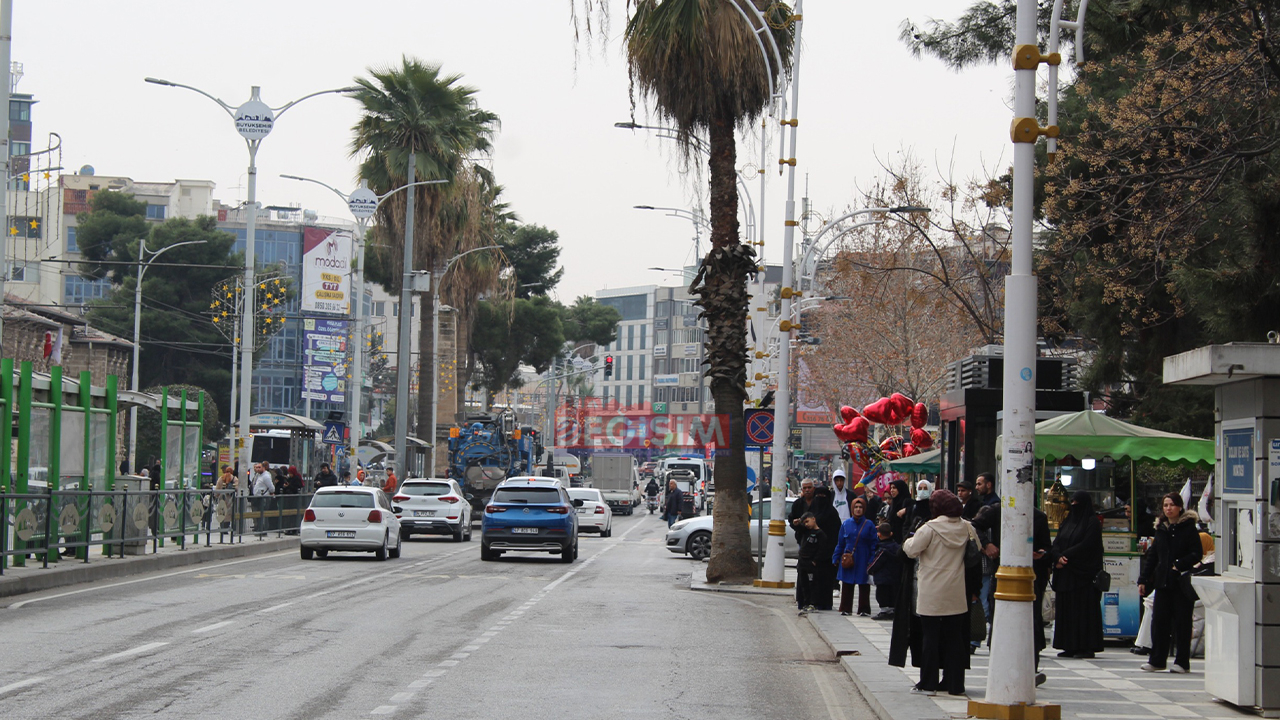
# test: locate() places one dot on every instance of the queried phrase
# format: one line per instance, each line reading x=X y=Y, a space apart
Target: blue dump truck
x=488 y=448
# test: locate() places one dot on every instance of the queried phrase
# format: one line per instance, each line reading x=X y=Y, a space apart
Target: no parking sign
x=759 y=426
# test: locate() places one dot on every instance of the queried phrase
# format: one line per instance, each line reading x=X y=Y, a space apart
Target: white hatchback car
x=594 y=515
x=433 y=506
x=347 y=518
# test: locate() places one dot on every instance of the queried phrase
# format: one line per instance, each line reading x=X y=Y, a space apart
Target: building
x=632 y=350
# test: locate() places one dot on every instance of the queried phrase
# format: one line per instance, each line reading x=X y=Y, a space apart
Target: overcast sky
x=563 y=164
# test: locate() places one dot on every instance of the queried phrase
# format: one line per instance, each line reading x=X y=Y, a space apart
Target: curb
x=108 y=568
x=881 y=685
x=698 y=582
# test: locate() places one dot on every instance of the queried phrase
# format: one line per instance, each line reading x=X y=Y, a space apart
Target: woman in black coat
x=829 y=523
x=899 y=499
x=1077 y=560
x=1175 y=550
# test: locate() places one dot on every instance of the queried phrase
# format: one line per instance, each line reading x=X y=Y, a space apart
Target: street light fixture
x=362 y=203
x=143 y=264
x=254 y=120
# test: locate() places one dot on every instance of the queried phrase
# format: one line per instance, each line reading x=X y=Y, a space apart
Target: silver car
x=692 y=537
x=433 y=506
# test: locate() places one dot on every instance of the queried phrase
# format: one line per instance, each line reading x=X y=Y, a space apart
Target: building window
x=72 y=245
x=380 y=308
x=660 y=337
x=395 y=309
x=643 y=328
x=157 y=212
x=641 y=395
x=630 y=364
x=25 y=272
x=644 y=361
x=19 y=148
x=78 y=291
x=25 y=227
x=631 y=337
x=628 y=396
x=19 y=111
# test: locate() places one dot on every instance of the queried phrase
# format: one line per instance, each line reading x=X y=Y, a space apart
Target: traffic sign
x=334 y=432
x=759 y=425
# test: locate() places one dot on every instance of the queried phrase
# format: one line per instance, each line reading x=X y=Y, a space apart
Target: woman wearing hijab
x=899 y=501
x=1175 y=550
x=858 y=538
x=1077 y=559
x=828 y=518
x=942 y=600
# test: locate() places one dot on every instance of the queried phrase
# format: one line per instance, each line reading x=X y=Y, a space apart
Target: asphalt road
x=436 y=633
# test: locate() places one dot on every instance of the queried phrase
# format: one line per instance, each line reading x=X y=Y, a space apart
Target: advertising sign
x=254 y=120
x=810 y=409
x=670 y=380
x=1237 y=461
x=326 y=271
x=362 y=203
x=324 y=344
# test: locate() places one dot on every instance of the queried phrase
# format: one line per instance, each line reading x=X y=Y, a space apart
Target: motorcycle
x=653 y=504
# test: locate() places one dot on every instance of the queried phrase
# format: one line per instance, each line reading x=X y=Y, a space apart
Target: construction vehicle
x=488 y=448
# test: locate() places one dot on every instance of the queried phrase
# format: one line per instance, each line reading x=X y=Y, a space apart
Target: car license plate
x=525 y=531
x=342 y=533
x=582 y=511
x=423 y=513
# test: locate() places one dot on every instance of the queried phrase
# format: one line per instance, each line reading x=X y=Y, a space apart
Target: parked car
x=433 y=506
x=692 y=537
x=595 y=514
x=350 y=519
x=530 y=514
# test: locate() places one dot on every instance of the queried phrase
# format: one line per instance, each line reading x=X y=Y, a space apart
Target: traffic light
x=608 y=366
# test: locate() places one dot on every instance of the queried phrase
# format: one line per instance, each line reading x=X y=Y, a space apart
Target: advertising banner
x=324 y=344
x=810 y=409
x=593 y=424
x=326 y=271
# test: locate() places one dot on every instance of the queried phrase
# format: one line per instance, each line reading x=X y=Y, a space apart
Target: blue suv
x=530 y=514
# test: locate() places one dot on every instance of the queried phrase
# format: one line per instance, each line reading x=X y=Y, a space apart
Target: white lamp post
x=363 y=203
x=254 y=120
x=143 y=264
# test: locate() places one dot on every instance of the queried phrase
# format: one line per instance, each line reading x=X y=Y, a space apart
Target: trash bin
x=136 y=508
x=1229 y=637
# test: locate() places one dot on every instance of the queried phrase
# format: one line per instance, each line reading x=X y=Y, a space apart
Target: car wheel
x=322 y=554
x=381 y=553
x=469 y=531
x=395 y=551
x=405 y=535
x=457 y=534
x=569 y=554
x=486 y=554
x=607 y=532
x=307 y=553
x=699 y=545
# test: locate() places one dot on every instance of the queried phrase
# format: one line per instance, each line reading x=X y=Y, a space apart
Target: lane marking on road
x=383 y=710
x=211 y=628
x=421 y=683
x=398 y=571
x=448 y=663
x=402 y=697
x=132 y=651
x=21 y=684
x=22 y=603
x=274 y=608
x=433 y=673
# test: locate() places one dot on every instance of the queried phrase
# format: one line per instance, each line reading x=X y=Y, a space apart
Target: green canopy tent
x=1092 y=434
x=925 y=462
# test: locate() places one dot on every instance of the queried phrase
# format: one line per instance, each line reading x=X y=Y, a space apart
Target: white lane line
x=274 y=608
x=402 y=697
x=210 y=628
x=198 y=568
x=21 y=684
x=481 y=640
x=433 y=673
x=419 y=684
x=448 y=663
x=460 y=656
x=470 y=648
x=132 y=651
x=383 y=710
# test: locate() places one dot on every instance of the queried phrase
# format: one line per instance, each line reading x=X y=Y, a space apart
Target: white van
x=702 y=481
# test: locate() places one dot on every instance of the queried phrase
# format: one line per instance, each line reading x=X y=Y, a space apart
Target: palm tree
x=412 y=110
x=698 y=65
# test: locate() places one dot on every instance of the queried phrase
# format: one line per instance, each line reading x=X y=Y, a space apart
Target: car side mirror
x=397 y=509
x=469 y=496
x=577 y=502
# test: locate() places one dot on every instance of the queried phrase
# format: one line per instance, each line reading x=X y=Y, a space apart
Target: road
x=436 y=633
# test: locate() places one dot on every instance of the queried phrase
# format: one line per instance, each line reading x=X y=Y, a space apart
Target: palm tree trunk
x=722 y=286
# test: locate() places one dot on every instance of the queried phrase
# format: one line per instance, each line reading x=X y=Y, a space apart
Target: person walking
x=671 y=510
x=854 y=549
x=942 y=601
x=829 y=522
x=808 y=569
x=1076 y=555
x=1174 y=552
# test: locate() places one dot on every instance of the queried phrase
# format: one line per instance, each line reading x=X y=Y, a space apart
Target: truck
x=486 y=449
x=617 y=477
x=703 y=486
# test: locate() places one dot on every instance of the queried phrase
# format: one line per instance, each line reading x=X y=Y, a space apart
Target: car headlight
x=680 y=525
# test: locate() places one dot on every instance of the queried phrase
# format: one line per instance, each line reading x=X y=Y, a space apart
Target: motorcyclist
x=651 y=490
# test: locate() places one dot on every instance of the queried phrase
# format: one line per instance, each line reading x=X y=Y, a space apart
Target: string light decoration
x=272 y=292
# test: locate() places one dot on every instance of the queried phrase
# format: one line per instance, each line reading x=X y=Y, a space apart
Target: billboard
x=810 y=408
x=326 y=271
x=324 y=347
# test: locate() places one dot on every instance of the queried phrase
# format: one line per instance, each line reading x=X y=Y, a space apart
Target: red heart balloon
x=921 y=439
x=891 y=443
x=908 y=450
x=902 y=403
x=843 y=433
x=919 y=415
x=891 y=455
x=877 y=412
x=857 y=429
x=848 y=413
x=859 y=456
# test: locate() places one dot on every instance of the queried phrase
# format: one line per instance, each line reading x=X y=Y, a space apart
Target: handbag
x=846 y=560
x=1102 y=581
x=977 y=621
x=1184 y=585
x=877 y=563
x=972 y=552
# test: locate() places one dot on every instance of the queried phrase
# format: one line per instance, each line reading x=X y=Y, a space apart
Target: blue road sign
x=335 y=433
x=759 y=424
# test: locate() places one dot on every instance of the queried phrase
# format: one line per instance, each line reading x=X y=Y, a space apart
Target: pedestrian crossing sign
x=334 y=433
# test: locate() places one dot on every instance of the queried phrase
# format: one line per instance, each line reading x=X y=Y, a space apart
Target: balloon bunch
x=891 y=411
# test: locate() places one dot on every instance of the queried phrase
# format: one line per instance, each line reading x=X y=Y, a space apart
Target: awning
x=1092 y=434
x=925 y=462
x=283 y=421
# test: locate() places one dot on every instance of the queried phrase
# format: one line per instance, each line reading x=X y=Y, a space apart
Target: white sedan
x=594 y=515
x=692 y=537
x=350 y=518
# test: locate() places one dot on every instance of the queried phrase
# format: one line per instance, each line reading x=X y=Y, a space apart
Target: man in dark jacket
x=987 y=523
x=802 y=505
x=325 y=478
x=971 y=503
x=675 y=498
x=985 y=486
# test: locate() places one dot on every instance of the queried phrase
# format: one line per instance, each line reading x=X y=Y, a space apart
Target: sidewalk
x=71 y=571
x=1108 y=687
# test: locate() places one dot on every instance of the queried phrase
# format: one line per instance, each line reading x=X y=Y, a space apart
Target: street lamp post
x=435 y=346
x=362 y=203
x=143 y=264
x=254 y=120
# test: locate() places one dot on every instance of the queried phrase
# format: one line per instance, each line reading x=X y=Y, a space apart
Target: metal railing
x=48 y=525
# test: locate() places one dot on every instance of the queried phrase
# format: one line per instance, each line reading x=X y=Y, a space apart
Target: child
x=807 y=566
x=886 y=568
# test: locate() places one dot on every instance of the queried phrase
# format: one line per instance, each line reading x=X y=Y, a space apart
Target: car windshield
x=342 y=500
x=425 y=489
x=544 y=495
x=583 y=494
x=691 y=467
